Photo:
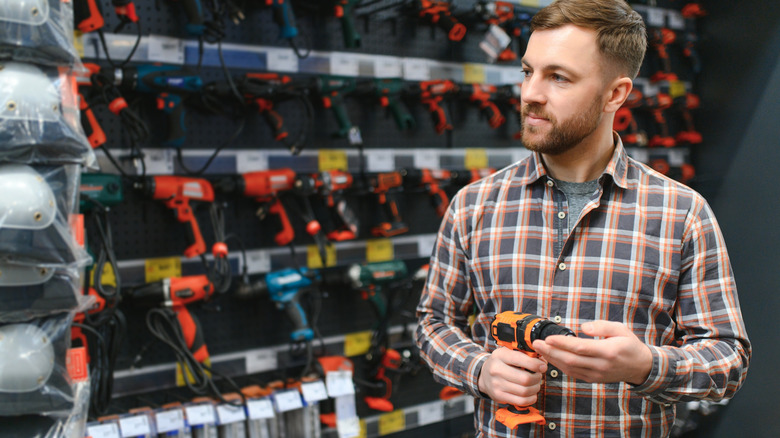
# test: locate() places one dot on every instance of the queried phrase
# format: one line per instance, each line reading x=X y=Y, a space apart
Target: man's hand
x=511 y=377
x=618 y=357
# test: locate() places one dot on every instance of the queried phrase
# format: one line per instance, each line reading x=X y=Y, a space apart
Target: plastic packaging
x=37 y=31
x=35 y=211
x=39 y=116
x=22 y=298
x=33 y=373
x=69 y=424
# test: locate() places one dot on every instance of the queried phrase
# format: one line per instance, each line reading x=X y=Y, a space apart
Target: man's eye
x=558 y=78
x=526 y=72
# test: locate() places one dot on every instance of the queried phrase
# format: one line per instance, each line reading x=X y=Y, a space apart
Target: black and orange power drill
x=518 y=331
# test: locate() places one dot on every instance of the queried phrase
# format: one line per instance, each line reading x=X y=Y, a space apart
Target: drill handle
x=196 y=24
x=283 y=16
x=301 y=329
x=185 y=215
x=400 y=114
x=193 y=333
x=348 y=29
x=340 y=112
x=287 y=234
x=438 y=116
x=171 y=105
x=92 y=129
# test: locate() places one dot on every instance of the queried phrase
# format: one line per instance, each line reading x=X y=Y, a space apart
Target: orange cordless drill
x=518 y=331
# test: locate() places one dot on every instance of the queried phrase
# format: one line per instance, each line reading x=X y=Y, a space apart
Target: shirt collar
x=617 y=167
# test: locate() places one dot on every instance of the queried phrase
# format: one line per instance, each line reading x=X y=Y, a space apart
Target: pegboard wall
x=144 y=229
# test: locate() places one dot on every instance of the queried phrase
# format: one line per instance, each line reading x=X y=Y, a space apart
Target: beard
x=563 y=136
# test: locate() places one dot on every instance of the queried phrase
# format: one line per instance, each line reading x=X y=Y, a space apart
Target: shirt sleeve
x=444 y=308
x=710 y=360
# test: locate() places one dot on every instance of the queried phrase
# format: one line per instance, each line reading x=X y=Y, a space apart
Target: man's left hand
x=618 y=356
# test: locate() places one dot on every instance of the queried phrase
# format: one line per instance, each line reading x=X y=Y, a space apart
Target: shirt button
x=561 y=215
x=553 y=373
x=557 y=319
x=552 y=425
x=562 y=266
x=550 y=183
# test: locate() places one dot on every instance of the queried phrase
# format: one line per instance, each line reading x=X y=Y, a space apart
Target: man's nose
x=531 y=91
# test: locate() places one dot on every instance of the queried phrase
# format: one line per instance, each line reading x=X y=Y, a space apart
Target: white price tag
x=166 y=49
x=251 y=161
x=676 y=20
x=416 y=69
x=260 y=408
x=258 y=262
x=426 y=159
x=169 y=421
x=158 y=161
x=380 y=161
x=347 y=421
x=200 y=414
x=655 y=17
x=282 y=60
x=348 y=427
x=469 y=404
x=288 y=400
x=425 y=244
x=387 y=67
x=640 y=155
x=137 y=425
x=106 y=430
x=519 y=154
x=512 y=75
x=676 y=157
x=430 y=413
x=344 y=64
x=228 y=413
x=314 y=391
x=262 y=360
x=339 y=383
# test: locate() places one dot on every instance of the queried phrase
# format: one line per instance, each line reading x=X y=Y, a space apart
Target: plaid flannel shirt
x=646 y=251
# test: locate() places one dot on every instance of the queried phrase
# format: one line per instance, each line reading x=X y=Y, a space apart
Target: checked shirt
x=646 y=251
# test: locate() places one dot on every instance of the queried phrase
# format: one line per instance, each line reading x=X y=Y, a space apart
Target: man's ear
x=617 y=93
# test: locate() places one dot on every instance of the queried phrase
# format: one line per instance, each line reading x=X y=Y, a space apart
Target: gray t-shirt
x=577 y=194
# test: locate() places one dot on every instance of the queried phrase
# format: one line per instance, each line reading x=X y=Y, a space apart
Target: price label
x=76 y=362
x=640 y=155
x=676 y=157
x=137 y=425
x=387 y=67
x=426 y=159
x=78 y=42
x=169 y=421
x=655 y=17
x=258 y=262
x=532 y=3
x=676 y=89
x=200 y=414
x=356 y=344
x=676 y=20
x=229 y=414
x=332 y=159
x=469 y=405
x=288 y=400
x=476 y=158
x=518 y=154
x=282 y=60
x=430 y=413
x=260 y=408
x=251 y=161
x=166 y=49
x=314 y=391
x=392 y=422
x=351 y=427
x=158 y=269
x=379 y=250
x=416 y=69
x=261 y=361
x=344 y=64
x=380 y=161
x=512 y=75
x=157 y=161
x=474 y=74
x=339 y=383
x=106 y=430
x=425 y=245
x=314 y=258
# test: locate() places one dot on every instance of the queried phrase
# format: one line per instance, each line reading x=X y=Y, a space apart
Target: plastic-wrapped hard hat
x=28 y=292
x=33 y=370
x=37 y=31
x=34 y=216
x=39 y=116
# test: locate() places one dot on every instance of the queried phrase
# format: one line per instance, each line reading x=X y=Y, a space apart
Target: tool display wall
x=248 y=340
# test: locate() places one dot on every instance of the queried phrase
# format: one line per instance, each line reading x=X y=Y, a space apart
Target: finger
x=605 y=329
x=578 y=346
x=519 y=359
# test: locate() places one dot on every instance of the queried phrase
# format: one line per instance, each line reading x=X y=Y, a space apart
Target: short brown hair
x=622 y=36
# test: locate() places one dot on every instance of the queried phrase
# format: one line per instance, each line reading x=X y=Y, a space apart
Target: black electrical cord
x=223 y=145
x=104 y=44
x=220 y=273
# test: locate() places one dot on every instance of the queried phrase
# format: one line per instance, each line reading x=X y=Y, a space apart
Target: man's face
x=563 y=90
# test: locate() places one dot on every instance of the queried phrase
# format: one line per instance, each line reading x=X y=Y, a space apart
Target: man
x=582 y=234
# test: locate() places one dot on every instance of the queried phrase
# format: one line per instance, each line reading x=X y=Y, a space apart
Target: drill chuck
x=519 y=330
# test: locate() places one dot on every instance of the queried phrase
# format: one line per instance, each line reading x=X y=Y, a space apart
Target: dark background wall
x=738 y=174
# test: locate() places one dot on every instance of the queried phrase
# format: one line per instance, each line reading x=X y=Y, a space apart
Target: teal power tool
x=170 y=85
x=332 y=90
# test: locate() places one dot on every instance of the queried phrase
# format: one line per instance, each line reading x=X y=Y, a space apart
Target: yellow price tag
x=78 y=42
x=107 y=277
x=676 y=89
x=333 y=159
x=157 y=269
x=476 y=159
x=357 y=343
x=363 y=429
x=314 y=259
x=474 y=74
x=532 y=3
x=392 y=422
x=180 y=370
x=379 y=250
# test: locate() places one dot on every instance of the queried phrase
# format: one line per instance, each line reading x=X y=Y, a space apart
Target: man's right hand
x=512 y=377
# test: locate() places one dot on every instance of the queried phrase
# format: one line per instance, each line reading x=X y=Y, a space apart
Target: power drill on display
x=483 y=95
x=340 y=223
x=508 y=17
x=431 y=94
x=429 y=180
x=384 y=185
x=332 y=90
x=343 y=10
x=518 y=331
x=388 y=91
x=177 y=192
x=440 y=14
x=170 y=85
